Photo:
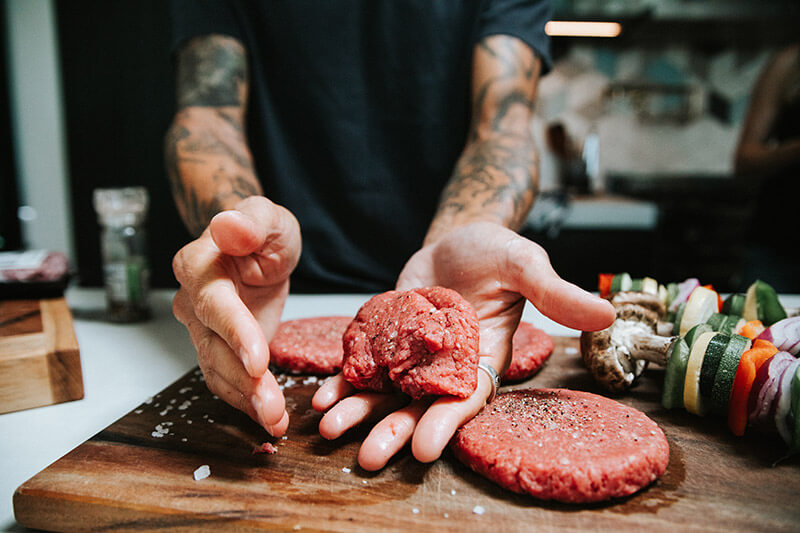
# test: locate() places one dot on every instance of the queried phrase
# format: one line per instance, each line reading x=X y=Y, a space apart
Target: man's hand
x=234 y=280
x=495 y=270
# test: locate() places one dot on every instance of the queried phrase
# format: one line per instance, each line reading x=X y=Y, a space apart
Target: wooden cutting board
x=138 y=474
x=40 y=361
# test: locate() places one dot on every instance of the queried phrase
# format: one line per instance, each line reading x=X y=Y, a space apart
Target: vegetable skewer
x=721 y=359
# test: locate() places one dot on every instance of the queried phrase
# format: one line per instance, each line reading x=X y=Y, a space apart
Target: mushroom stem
x=664 y=328
x=653 y=348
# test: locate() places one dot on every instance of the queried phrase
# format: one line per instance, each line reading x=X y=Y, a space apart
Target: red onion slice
x=784 y=334
x=784 y=402
x=685 y=288
x=763 y=396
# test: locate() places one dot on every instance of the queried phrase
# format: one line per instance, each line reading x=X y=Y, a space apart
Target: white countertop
x=125 y=364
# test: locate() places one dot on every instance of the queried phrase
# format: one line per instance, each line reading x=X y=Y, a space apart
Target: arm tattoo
x=206 y=155
x=212 y=71
x=493 y=178
x=496 y=176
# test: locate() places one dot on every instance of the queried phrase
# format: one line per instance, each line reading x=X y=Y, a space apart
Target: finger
x=334 y=389
x=261 y=397
x=217 y=305
x=440 y=422
x=229 y=393
x=496 y=336
x=258 y=226
x=236 y=233
x=529 y=272
x=390 y=435
x=235 y=398
x=353 y=410
x=279 y=429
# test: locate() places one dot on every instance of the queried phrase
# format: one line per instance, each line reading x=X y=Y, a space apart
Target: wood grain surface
x=39 y=356
x=138 y=474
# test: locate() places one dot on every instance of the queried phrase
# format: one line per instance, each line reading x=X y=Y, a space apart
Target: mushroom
x=617 y=355
x=647 y=300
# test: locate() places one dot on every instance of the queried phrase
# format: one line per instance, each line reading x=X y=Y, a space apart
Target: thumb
x=244 y=230
x=259 y=228
x=236 y=233
x=531 y=274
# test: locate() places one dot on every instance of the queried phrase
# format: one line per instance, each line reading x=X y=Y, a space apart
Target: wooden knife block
x=40 y=362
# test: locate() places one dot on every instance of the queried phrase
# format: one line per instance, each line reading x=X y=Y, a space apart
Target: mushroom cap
x=606 y=354
x=638 y=313
x=643 y=299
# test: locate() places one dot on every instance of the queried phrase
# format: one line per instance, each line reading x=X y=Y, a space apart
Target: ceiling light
x=571 y=28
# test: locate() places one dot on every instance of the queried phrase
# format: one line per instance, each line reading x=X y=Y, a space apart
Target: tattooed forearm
x=211 y=71
x=209 y=166
x=207 y=160
x=495 y=178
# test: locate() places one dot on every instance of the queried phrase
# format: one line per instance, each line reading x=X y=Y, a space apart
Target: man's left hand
x=496 y=270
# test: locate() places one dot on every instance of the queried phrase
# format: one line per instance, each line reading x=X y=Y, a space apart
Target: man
x=378 y=129
x=768 y=155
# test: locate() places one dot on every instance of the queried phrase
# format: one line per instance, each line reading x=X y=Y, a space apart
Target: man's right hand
x=234 y=280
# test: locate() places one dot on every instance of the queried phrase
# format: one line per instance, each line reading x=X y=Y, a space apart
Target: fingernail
x=247 y=362
x=258 y=406
x=273 y=428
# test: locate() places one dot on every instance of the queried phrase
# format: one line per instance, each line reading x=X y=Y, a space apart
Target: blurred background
x=637 y=128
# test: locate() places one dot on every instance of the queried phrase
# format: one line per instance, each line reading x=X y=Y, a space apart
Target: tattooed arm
x=234 y=277
x=496 y=176
x=208 y=161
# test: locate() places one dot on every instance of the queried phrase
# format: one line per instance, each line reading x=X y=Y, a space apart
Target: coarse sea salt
x=478 y=509
x=202 y=472
x=346 y=470
x=160 y=430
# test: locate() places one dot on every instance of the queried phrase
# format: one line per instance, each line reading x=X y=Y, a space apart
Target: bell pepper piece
x=749 y=364
x=751 y=329
x=604 y=284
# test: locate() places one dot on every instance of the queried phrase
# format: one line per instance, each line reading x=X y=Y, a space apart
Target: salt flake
x=202 y=472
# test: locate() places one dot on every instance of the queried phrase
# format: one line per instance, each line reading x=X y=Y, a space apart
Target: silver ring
x=493 y=376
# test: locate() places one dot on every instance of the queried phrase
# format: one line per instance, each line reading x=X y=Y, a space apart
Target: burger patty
x=422 y=341
x=531 y=348
x=309 y=345
x=564 y=445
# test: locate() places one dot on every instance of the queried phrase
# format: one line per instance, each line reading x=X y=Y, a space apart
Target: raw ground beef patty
x=531 y=348
x=309 y=345
x=424 y=341
x=563 y=445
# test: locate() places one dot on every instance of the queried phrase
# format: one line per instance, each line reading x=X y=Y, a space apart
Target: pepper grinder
x=123 y=243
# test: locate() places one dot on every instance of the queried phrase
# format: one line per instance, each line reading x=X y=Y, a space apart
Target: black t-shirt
x=358 y=110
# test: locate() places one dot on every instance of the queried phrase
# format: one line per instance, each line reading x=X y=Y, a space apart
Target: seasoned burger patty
x=424 y=341
x=531 y=348
x=309 y=345
x=558 y=444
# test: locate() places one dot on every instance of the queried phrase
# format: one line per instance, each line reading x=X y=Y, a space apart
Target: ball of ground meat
x=422 y=341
